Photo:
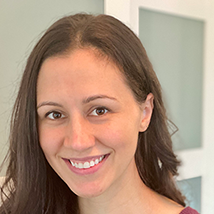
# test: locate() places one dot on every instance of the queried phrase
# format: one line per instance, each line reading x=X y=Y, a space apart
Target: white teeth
x=96 y=161
x=80 y=165
x=92 y=163
x=87 y=165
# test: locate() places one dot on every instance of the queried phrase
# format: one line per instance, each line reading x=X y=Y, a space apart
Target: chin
x=89 y=191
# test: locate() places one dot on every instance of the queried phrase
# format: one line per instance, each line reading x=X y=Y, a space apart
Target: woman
x=89 y=132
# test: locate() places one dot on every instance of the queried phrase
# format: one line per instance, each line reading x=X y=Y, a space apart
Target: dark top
x=189 y=210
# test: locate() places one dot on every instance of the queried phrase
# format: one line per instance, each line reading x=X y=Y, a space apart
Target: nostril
x=79 y=142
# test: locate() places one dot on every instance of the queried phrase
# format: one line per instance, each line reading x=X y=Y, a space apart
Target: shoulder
x=188 y=210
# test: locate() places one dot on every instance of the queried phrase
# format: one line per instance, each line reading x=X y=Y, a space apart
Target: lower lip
x=86 y=171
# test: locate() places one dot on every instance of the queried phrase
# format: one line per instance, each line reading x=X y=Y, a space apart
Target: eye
x=99 y=111
x=54 y=115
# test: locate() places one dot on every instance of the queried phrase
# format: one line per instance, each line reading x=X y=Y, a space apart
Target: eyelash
x=48 y=115
x=99 y=108
x=93 y=113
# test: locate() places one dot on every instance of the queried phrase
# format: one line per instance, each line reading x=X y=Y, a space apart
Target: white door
x=178 y=36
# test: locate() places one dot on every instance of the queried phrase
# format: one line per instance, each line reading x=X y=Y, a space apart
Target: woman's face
x=89 y=122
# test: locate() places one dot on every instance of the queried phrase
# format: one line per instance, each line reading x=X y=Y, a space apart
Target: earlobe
x=147 y=109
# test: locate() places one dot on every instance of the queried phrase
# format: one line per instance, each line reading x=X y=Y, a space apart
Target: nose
x=79 y=136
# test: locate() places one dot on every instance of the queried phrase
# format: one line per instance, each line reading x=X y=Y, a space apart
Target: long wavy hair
x=31 y=185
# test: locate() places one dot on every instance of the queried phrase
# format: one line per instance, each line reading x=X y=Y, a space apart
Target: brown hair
x=31 y=184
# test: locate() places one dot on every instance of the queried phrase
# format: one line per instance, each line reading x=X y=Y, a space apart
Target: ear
x=147 y=109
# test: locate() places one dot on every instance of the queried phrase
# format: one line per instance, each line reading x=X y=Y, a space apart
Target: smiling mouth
x=87 y=164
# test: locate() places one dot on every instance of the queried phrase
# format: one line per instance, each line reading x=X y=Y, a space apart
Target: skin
x=86 y=109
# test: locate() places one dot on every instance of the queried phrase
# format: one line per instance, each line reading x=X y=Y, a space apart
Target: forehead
x=83 y=71
x=78 y=63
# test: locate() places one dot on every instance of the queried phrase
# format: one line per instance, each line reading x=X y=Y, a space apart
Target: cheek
x=50 y=140
x=120 y=137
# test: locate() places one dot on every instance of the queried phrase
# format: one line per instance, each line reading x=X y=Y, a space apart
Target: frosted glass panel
x=175 y=47
x=191 y=188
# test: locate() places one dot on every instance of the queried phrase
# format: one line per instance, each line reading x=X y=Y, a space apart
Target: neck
x=126 y=195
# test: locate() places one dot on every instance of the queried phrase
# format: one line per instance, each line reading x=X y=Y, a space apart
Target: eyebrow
x=100 y=96
x=47 y=103
x=85 y=101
